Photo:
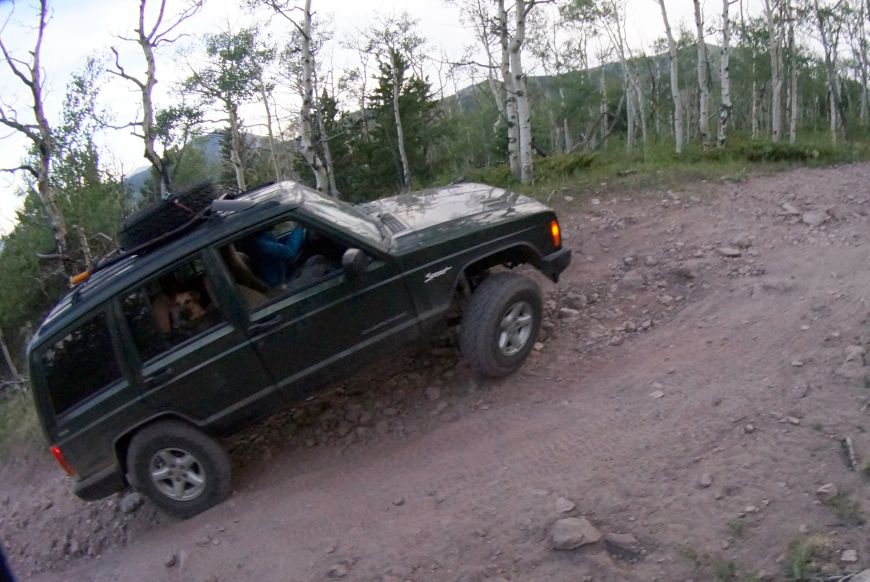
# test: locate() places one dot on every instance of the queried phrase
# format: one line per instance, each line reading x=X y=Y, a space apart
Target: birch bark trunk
x=830 y=53
x=305 y=127
x=775 y=75
x=236 y=146
x=791 y=93
x=524 y=115
x=271 y=134
x=510 y=101
x=16 y=376
x=703 y=82
x=725 y=76
x=400 y=132
x=675 y=82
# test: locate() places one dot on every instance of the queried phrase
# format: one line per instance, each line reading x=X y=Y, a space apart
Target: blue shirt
x=271 y=257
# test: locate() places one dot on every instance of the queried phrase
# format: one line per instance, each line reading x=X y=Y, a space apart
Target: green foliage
x=846 y=508
x=807 y=556
x=367 y=156
x=548 y=170
x=737 y=527
x=91 y=201
x=713 y=566
x=18 y=422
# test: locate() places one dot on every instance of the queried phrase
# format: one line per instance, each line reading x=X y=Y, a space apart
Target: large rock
x=575 y=300
x=131 y=502
x=571 y=533
x=632 y=281
x=855 y=353
x=814 y=218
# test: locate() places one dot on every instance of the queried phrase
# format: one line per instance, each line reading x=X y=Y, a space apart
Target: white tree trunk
x=641 y=109
x=703 y=82
x=510 y=100
x=272 y=154
x=602 y=83
x=236 y=147
x=793 y=97
x=524 y=113
x=830 y=52
x=675 y=83
x=324 y=142
x=13 y=370
x=775 y=75
x=725 y=76
x=865 y=65
x=305 y=126
x=754 y=121
x=400 y=132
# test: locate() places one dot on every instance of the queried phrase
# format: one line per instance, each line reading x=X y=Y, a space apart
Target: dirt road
x=703 y=358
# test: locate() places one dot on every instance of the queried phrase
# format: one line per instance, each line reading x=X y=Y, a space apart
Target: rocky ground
x=696 y=409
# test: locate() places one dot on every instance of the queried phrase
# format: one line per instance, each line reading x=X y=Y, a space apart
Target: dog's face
x=188 y=306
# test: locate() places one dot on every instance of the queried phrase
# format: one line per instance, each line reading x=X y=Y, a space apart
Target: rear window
x=80 y=364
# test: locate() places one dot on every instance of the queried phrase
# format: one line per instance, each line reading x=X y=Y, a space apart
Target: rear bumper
x=554 y=263
x=100 y=485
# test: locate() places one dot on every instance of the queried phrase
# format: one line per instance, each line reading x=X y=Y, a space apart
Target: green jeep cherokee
x=196 y=330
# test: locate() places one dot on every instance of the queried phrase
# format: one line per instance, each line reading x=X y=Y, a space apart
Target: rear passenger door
x=192 y=358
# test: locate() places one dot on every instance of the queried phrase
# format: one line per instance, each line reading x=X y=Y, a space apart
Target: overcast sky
x=81 y=28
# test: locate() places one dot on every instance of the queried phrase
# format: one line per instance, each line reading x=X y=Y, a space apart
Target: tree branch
x=25 y=167
x=15 y=70
x=122 y=73
x=189 y=12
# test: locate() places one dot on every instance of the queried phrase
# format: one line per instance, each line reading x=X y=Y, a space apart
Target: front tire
x=180 y=469
x=500 y=324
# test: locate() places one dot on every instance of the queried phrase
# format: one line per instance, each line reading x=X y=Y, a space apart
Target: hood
x=436 y=206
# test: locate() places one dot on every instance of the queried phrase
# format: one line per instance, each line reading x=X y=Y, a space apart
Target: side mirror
x=355 y=262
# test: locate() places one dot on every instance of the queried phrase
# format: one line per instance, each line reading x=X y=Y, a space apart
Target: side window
x=280 y=260
x=80 y=364
x=171 y=309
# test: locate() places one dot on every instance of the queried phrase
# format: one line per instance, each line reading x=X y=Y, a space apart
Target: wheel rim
x=177 y=474
x=516 y=328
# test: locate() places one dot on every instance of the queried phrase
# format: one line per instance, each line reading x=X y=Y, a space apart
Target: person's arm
x=287 y=250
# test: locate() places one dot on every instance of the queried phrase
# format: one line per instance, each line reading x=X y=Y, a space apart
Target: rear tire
x=500 y=324
x=165 y=216
x=180 y=469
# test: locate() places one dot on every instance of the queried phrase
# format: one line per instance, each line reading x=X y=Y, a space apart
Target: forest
x=552 y=93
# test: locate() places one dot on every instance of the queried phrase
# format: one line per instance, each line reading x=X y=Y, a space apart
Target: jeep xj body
x=128 y=396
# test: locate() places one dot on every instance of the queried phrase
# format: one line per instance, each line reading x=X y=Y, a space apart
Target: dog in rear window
x=189 y=316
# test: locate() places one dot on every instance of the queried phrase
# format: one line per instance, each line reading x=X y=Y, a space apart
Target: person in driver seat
x=272 y=258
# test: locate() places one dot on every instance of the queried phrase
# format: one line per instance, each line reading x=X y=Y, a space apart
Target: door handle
x=273 y=321
x=158 y=376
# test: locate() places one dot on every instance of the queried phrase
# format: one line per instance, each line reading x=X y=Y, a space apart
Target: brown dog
x=189 y=315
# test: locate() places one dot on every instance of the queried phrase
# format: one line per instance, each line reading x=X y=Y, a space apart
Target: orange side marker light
x=556 y=233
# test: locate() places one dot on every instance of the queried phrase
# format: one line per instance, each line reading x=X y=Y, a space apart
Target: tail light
x=556 y=233
x=55 y=450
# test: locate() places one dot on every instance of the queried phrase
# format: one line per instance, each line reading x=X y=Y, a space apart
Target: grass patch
x=866 y=470
x=18 y=422
x=737 y=527
x=658 y=167
x=845 y=508
x=807 y=557
x=713 y=566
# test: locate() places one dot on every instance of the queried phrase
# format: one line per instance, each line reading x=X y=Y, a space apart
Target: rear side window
x=80 y=364
x=171 y=309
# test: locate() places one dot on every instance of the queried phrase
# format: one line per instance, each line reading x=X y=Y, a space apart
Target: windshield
x=344 y=215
